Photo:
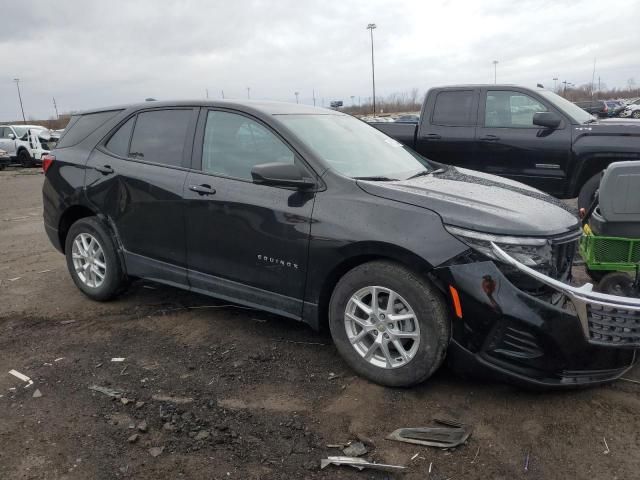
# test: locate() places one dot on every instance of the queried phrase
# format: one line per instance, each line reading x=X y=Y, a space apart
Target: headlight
x=533 y=252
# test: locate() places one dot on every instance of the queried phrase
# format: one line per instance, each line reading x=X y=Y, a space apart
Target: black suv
x=316 y=216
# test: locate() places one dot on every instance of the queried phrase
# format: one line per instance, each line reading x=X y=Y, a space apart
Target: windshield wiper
x=426 y=172
x=377 y=179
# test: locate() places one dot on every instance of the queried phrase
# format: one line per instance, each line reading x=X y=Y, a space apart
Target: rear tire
x=588 y=191
x=25 y=159
x=417 y=319
x=616 y=283
x=93 y=261
x=636 y=114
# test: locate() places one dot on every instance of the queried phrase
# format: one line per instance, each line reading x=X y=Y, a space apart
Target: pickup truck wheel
x=389 y=324
x=588 y=191
x=93 y=261
x=25 y=159
x=616 y=283
x=636 y=114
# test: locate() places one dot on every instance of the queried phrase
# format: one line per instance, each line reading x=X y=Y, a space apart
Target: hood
x=613 y=125
x=481 y=202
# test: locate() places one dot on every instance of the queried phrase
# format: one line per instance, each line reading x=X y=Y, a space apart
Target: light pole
x=248 y=93
x=495 y=71
x=17 y=80
x=555 y=84
x=371 y=27
x=296 y=94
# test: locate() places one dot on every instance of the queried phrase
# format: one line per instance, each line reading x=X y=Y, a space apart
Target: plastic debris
x=355 y=449
x=360 y=464
x=111 y=392
x=37 y=394
x=155 y=451
x=452 y=435
x=22 y=377
x=118 y=359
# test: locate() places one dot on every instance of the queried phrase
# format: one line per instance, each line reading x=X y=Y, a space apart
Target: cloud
x=89 y=54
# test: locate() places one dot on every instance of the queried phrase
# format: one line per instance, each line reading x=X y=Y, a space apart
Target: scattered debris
x=333 y=376
x=526 y=462
x=202 y=435
x=37 y=394
x=125 y=401
x=139 y=405
x=59 y=359
x=430 y=466
x=474 y=458
x=355 y=449
x=170 y=399
x=155 y=451
x=13 y=279
x=124 y=369
x=22 y=377
x=606 y=451
x=111 y=392
x=337 y=445
x=360 y=464
x=452 y=435
x=99 y=365
x=148 y=287
x=118 y=359
x=67 y=322
x=415 y=456
x=143 y=427
x=45 y=271
x=133 y=438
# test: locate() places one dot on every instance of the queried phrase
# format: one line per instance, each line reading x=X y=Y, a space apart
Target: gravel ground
x=226 y=392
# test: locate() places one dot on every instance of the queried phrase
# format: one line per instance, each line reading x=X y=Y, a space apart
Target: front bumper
x=572 y=338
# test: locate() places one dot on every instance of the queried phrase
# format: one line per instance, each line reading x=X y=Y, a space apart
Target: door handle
x=490 y=138
x=203 y=189
x=105 y=169
x=433 y=136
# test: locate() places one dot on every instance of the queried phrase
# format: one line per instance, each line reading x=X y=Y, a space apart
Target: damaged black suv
x=316 y=216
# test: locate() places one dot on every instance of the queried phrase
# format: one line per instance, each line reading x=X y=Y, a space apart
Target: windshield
x=355 y=149
x=20 y=131
x=574 y=111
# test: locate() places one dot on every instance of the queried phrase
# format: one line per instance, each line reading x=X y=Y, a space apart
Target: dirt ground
x=221 y=392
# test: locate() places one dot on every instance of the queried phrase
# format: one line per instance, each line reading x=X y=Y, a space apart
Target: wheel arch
x=357 y=255
x=71 y=215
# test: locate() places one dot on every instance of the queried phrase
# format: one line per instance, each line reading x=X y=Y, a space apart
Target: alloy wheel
x=382 y=327
x=89 y=260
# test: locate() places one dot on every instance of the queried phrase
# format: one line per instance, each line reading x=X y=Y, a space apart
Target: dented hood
x=481 y=202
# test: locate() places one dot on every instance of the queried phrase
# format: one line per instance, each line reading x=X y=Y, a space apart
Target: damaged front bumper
x=571 y=337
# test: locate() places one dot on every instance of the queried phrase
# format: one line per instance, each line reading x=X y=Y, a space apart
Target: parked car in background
x=26 y=144
x=615 y=107
x=411 y=118
x=530 y=135
x=314 y=215
x=5 y=159
x=599 y=108
x=632 y=110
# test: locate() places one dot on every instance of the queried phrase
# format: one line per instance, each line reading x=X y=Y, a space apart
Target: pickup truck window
x=508 y=109
x=234 y=144
x=454 y=108
x=353 y=148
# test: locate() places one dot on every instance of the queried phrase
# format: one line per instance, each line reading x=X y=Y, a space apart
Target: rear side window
x=454 y=109
x=119 y=141
x=81 y=126
x=159 y=136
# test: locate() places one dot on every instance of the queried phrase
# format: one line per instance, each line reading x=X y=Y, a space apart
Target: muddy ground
x=220 y=392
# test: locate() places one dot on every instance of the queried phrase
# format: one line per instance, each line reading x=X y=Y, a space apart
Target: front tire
x=588 y=191
x=25 y=159
x=400 y=338
x=93 y=261
x=636 y=114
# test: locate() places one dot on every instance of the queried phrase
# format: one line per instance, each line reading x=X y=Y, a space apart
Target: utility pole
x=314 y=96
x=296 y=94
x=495 y=72
x=223 y=94
x=207 y=92
x=248 y=93
x=24 y=119
x=55 y=107
x=353 y=97
x=555 y=84
x=371 y=27
x=593 y=78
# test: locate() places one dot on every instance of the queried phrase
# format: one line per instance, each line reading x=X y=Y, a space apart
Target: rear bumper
x=54 y=237
x=513 y=336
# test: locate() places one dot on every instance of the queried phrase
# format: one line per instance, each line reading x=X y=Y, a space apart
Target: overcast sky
x=89 y=53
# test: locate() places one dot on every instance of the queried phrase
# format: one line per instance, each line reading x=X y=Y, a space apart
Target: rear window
x=454 y=109
x=81 y=126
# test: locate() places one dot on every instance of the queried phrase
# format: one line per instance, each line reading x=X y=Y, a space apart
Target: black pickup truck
x=530 y=135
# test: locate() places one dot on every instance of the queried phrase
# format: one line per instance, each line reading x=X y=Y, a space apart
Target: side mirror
x=280 y=175
x=546 y=119
x=12 y=136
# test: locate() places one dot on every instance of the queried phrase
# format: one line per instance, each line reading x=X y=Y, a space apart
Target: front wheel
x=588 y=191
x=93 y=261
x=636 y=114
x=25 y=159
x=389 y=324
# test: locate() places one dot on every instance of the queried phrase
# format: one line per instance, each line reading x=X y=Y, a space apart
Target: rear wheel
x=93 y=261
x=636 y=114
x=25 y=159
x=588 y=191
x=616 y=283
x=389 y=324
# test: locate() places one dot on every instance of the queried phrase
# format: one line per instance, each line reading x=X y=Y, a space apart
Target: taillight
x=47 y=160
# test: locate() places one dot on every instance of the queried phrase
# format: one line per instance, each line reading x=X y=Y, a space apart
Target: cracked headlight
x=533 y=252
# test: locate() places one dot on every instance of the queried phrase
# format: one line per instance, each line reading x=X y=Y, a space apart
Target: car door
x=448 y=126
x=510 y=145
x=135 y=178
x=6 y=143
x=245 y=242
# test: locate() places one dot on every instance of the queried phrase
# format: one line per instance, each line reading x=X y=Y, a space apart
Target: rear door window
x=159 y=136
x=81 y=126
x=454 y=108
x=119 y=141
